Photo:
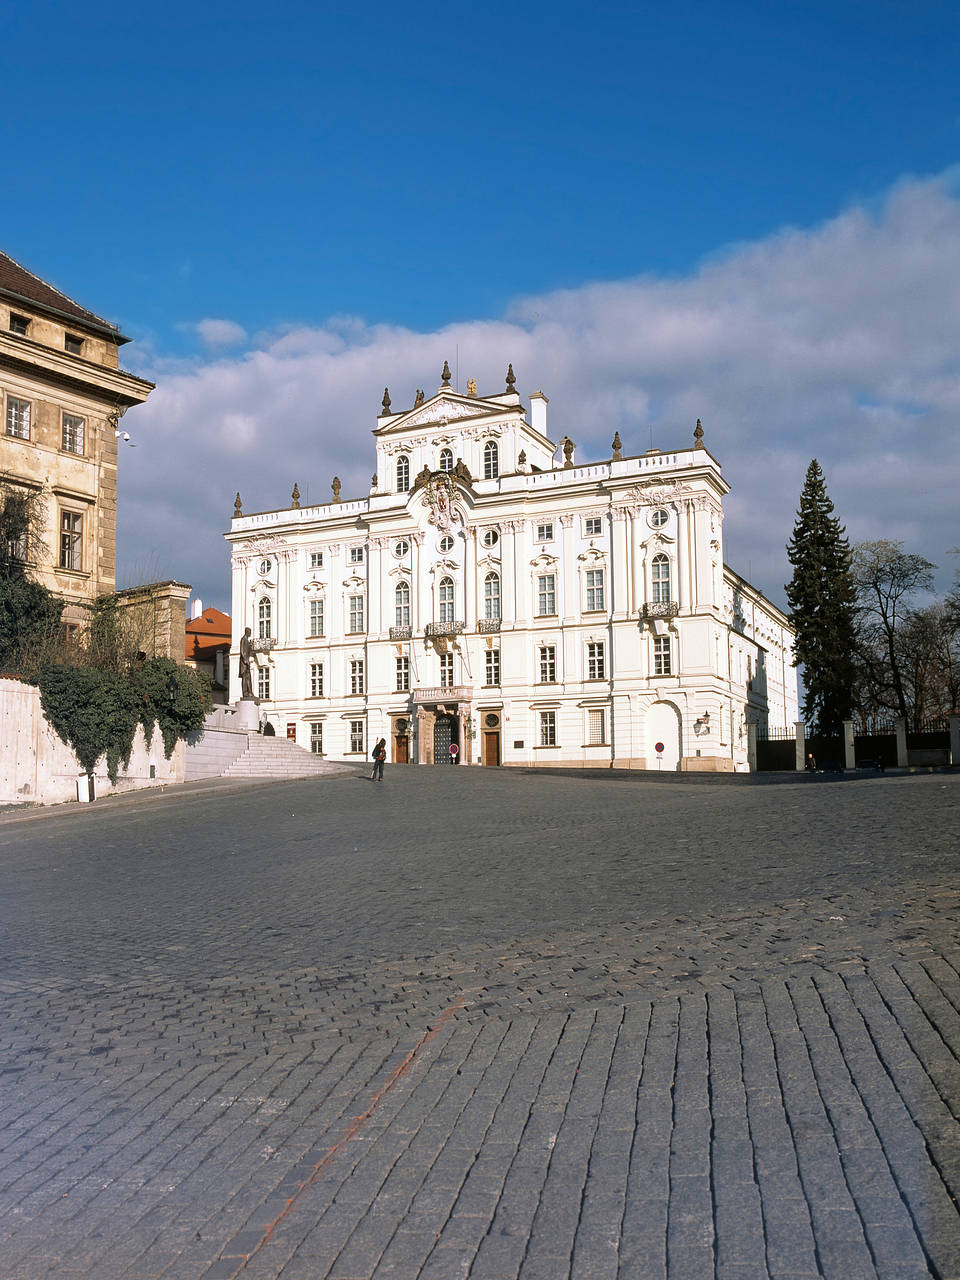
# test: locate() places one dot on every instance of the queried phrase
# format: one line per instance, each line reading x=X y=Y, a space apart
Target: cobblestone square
x=483 y=1024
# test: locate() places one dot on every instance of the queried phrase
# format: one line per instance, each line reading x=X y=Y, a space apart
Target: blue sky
x=213 y=177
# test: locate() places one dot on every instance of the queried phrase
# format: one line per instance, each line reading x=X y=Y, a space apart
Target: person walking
x=379 y=755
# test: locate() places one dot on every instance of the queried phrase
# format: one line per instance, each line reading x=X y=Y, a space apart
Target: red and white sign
x=658 y=748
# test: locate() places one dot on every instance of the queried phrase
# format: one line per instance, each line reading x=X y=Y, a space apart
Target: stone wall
x=36 y=767
x=155 y=616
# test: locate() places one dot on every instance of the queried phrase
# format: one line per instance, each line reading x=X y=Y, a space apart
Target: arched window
x=446 y=459
x=491 y=596
x=403 y=605
x=446 y=600
x=661 y=578
x=491 y=460
x=403 y=473
x=265 y=618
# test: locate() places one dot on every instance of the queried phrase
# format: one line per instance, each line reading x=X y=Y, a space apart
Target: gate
x=442 y=737
x=776 y=750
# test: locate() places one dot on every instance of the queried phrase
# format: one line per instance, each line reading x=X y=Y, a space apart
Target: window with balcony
x=265 y=619
x=492 y=674
x=403 y=473
x=596 y=661
x=316 y=617
x=546 y=595
x=594 y=590
x=548 y=728
x=491 y=596
x=357 y=682
x=316 y=679
x=403 y=675
x=491 y=460
x=548 y=664
x=446 y=599
x=446 y=671
x=660 y=579
x=355 y=604
x=402 y=596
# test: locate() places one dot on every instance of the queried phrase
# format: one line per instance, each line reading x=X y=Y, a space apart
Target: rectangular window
x=72 y=433
x=316 y=559
x=492 y=657
x=316 y=737
x=263 y=682
x=596 y=728
x=356 y=736
x=592 y=526
x=356 y=676
x=596 y=667
x=18 y=418
x=356 y=613
x=356 y=555
x=73 y=344
x=544 y=532
x=548 y=664
x=403 y=675
x=71 y=634
x=594 y=590
x=18 y=324
x=316 y=679
x=71 y=540
x=546 y=595
x=446 y=670
x=316 y=617
x=548 y=728
x=661 y=655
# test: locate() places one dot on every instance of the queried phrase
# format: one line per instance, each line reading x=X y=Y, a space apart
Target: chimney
x=196 y=609
x=538 y=411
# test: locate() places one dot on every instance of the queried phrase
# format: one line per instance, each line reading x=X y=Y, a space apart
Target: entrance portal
x=444 y=732
x=400 y=749
x=491 y=747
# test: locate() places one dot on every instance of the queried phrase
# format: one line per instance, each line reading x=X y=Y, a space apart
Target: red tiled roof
x=211 y=623
x=17 y=279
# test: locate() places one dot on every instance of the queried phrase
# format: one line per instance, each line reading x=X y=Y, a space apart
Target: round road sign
x=658 y=747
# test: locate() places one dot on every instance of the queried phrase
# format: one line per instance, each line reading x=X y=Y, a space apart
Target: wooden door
x=491 y=747
x=401 y=746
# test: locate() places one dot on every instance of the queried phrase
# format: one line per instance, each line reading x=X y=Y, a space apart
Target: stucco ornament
x=439 y=493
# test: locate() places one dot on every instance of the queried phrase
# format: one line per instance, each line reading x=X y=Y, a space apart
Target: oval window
x=659 y=518
x=446 y=543
x=491 y=538
x=401 y=548
x=266 y=566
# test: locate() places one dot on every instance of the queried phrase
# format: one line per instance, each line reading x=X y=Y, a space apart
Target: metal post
x=955 y=737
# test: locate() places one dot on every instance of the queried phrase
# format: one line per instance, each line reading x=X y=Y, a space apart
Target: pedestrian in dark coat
x=379 y=755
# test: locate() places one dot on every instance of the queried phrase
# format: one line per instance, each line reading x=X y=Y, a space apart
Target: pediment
x=441 y=408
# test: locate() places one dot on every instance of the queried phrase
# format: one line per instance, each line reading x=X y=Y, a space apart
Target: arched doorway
x=663 y=728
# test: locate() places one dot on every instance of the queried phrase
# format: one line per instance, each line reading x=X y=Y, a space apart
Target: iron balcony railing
x=488 y=624
x=660 y=609
x=264 y=644
x=443 y=628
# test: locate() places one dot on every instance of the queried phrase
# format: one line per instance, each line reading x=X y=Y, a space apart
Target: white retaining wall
x=36 y=767
x=211 y=751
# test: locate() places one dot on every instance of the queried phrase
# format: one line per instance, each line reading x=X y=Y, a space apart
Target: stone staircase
x=278 y=758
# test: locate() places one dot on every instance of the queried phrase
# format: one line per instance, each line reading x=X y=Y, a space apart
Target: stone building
x=493 y=593
x=62 y=397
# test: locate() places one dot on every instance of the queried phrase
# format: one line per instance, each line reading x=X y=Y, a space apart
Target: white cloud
x=220 y=333
x=836 y=342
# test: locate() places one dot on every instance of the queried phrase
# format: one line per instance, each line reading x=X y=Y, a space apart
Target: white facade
x=530 y=609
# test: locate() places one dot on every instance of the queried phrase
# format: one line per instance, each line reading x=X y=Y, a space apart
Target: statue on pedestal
x=247 y=662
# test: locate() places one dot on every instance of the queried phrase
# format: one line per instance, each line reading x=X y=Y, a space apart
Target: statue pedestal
x=248 y=715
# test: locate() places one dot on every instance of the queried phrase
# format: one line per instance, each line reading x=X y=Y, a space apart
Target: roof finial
x=386 y=401
x=335 y=486
x=698 y=436
x=295 y=496
x=511 y=380
x=418 y=399
x=446 y=374
x=237 y=508
x=616 y=447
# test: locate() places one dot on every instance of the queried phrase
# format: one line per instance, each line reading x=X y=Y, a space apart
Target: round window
x=266 y=566
x=491 y=721
x=401 y=548
x=659 y=517
x=491 y=538
x=446 y=543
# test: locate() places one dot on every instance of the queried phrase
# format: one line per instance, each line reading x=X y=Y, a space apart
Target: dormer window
x=72 y=344
x=446 y=460
x=18 y=324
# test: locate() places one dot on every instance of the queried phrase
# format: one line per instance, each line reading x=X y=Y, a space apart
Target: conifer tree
x=821 y=595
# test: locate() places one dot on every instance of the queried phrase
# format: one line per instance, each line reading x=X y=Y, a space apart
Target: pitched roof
x=211 y=623
x=18 y=280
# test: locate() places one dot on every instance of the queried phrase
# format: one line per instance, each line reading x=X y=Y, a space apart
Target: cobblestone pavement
x=484 y=1024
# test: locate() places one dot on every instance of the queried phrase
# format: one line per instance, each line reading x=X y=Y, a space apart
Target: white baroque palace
x=494 y=594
